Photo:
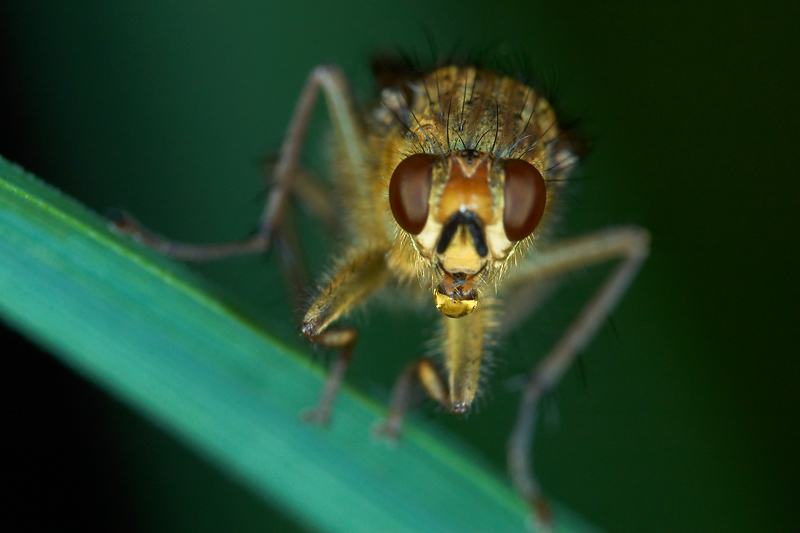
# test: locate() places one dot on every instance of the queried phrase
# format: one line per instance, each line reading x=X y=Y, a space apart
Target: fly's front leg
x=464 y=342
x=355 y=279
x=332 y=83
x=344 y=339
x=421 y=372
x=631 y=246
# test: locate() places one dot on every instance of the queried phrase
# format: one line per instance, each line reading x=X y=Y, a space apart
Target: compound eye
x=525 y=197
x=409 y=189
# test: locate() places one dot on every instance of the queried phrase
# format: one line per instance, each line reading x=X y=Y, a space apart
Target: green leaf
x=158 y=338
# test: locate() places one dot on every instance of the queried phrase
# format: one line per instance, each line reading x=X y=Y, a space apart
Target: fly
x=450 y=185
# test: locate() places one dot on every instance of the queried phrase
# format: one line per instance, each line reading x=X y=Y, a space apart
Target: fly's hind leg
x=332 y=83
x=351 y=283
x=627 y=244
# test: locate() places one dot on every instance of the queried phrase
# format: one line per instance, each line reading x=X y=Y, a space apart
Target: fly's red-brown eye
x=524 y=199
x=409 y=189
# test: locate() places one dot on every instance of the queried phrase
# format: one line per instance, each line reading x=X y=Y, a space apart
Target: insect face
x=466 y=212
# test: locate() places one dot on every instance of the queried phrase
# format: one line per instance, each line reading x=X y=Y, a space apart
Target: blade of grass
x=156 y=337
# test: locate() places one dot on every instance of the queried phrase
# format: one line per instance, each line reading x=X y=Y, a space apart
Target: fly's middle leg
x=326 y=79
x=630 y=246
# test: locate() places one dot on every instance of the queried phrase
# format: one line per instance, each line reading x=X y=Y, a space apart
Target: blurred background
x=683 y=414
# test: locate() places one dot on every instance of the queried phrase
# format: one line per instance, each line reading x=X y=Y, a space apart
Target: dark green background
x=685 y=416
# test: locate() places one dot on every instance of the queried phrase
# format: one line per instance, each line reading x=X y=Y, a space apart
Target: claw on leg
x=519 y=455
